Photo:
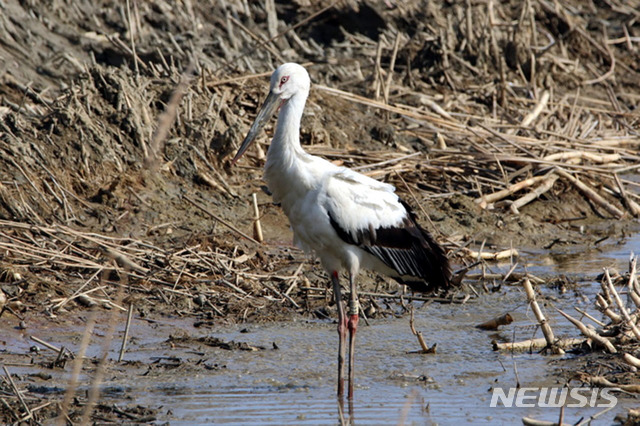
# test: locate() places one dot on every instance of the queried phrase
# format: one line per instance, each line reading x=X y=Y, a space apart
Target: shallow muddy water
x=295 y=384
x=293 y=379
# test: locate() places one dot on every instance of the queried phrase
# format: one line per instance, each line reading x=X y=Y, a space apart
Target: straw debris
x=504 y=124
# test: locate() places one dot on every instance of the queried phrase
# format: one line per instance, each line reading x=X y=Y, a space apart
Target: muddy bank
x=503 y=126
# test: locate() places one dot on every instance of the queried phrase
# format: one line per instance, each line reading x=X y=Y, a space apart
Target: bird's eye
x=283 y=80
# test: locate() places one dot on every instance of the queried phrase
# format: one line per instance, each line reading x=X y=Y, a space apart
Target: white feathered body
x=309 y=188
x=353 y=200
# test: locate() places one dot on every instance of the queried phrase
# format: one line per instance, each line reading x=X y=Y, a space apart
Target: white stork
x=349 y=220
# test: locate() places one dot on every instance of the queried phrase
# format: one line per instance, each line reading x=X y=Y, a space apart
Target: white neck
x=286 y=141
x=285 y=157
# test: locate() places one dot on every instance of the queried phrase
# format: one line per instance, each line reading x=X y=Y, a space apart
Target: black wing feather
x=411 y=251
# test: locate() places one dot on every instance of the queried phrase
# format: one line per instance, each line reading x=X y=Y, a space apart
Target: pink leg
x=342 y=333
x=354 y=309
x=353 y=326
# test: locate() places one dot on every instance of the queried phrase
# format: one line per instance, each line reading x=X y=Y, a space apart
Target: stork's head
x=287 y=81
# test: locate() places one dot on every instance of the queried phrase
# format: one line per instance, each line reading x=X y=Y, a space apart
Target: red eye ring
x=283 y=80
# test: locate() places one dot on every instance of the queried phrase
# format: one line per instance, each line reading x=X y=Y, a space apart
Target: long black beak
x=266 y=111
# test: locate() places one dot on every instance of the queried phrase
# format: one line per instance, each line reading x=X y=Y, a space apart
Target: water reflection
x=341 y=418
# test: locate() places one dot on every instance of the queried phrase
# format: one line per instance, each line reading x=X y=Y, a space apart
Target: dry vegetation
x=505 y=123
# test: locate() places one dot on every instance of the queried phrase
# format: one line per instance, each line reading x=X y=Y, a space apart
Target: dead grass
x=114 y=164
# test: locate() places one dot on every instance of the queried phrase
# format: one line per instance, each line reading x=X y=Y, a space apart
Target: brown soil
x=94 y=196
